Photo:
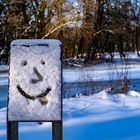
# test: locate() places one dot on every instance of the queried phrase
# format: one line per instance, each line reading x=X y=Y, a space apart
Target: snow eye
x=24 y=63
x=42 y=62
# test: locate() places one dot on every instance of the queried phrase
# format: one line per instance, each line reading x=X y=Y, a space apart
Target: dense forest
x=88 y=29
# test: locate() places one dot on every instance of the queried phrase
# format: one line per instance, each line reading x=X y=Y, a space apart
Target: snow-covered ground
x=3 y=67
x=100 y=116
x=101 y=72
x=4 y=79
x=87 y=113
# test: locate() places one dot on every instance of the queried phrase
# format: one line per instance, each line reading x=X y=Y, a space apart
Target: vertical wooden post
x=12 y=130
x=57 y=130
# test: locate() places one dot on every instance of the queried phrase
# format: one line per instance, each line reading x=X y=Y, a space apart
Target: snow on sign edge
x=36 y=41
x=32 y=42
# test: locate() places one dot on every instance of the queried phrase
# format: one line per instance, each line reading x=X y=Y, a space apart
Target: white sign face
x=35 y=81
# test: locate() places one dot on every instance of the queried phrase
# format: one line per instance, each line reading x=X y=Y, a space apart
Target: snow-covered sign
x=35 y=80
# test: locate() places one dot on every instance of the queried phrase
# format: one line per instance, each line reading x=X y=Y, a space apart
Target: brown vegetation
x=87 y=28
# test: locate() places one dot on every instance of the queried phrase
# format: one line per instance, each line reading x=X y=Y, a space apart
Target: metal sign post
x=12 y=130
x=57 y=130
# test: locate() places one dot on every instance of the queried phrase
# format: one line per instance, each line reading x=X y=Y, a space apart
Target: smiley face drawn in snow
x=35 y=80
x=42 y=96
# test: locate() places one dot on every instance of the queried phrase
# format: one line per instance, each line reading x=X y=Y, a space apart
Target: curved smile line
x=23 y=93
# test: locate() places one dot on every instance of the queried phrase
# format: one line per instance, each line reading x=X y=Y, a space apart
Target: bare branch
x=60 y=26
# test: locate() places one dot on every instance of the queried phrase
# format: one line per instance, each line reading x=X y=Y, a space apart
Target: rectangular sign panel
x=35 y=80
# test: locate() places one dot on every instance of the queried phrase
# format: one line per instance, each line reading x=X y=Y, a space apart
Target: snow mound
x=102 y=106
x=134 y=94
x=106 y=94
x=103 y=94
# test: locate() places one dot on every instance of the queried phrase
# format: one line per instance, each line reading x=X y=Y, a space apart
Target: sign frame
x=61 y=87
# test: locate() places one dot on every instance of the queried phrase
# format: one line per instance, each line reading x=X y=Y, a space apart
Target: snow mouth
x=42 y=97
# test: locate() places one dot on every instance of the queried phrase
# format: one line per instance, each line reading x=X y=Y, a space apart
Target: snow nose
x=39 y=76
